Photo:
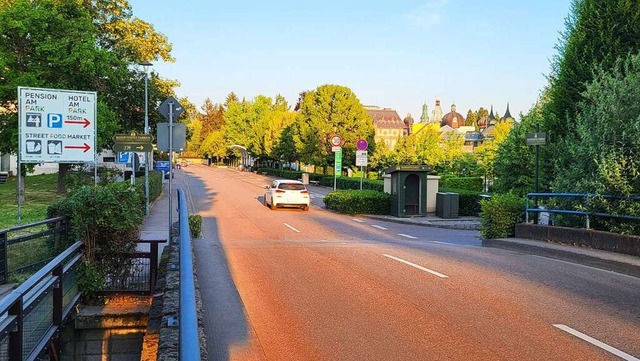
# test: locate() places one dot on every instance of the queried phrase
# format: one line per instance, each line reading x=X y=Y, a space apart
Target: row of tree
x=81 y=45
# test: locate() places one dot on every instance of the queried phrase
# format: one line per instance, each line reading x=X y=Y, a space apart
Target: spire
x=491 y=116
x=425 y=113
x=507 y=114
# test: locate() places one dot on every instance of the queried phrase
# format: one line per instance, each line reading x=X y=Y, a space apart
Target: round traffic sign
x=362 y=144
x=336 y=140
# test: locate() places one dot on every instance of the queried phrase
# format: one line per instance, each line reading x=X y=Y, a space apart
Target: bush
x=358 y=202
x=500 y=214
x=469 y=201
x=195 y=225
x=107 y=220
x=155 y=185
x=466 y=183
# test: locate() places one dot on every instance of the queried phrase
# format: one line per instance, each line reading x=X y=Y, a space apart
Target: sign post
x=336 y=148
x=536 y=139
x=170 y=109
x=361 y=157
x=55 y=126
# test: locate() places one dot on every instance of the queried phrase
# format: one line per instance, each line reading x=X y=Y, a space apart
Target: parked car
x=286 y=193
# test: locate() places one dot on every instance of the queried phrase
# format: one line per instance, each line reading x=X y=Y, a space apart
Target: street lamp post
x=146 y=66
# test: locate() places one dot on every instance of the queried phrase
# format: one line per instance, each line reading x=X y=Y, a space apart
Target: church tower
x=424 y=118
x=436 y=114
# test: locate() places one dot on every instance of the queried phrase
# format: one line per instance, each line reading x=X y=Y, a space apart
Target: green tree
x=606 y=144
x=597 y=33
x=487 y=152
x=472 y=119
x=327 y=110
x=514 y=161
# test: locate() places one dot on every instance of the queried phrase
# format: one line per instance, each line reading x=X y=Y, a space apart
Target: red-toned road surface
x=295 y=285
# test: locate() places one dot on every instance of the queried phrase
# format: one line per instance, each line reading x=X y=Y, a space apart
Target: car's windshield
x=292 y=186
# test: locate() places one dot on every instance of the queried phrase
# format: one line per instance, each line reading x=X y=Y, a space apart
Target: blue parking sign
x=123 y=157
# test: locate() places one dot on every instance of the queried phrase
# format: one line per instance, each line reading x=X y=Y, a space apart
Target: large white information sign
x=57 y=126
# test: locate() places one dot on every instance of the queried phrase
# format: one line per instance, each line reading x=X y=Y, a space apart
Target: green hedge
x=467 y=183
x=469 y=201
x=358 y=202
x=500 y=214
x=327 y=180
x=155 y=185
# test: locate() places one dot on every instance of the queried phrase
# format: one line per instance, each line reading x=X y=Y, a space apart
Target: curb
x=459 y=224
x=599 y=259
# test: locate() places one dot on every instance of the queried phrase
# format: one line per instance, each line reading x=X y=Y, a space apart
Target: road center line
x=379 y=227
x=357 y=220
x=593 y=341
x=291 y=227
x=417 y=266
x=445 y=243
x=407 y=236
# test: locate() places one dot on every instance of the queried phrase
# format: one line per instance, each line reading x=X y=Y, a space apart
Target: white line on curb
x=593 y=341
x=379 y=227
x=417 y=266
x=291 y=227
x=406 y=236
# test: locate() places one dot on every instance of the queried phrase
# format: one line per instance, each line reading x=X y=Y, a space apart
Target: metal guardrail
x=43 y=237
x=139 y=275
x=31 y=316
x=587 y=214
x=189 y=340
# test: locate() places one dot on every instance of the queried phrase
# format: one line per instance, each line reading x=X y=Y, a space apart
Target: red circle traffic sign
x=336 y=140
x=362 y=144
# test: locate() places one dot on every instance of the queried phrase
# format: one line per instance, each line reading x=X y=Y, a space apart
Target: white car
x=286 y=193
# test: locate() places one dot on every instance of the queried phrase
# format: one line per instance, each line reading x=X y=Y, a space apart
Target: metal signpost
x=55 y=126
x=361 y=157
x=536 y=139
x=336 y=148
x=170 y=109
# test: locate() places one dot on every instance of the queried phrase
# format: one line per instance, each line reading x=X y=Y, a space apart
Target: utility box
x=305 y=178
x=408 y=188
x=447 y=205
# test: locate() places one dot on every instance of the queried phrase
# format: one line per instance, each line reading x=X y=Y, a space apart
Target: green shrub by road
x=500 y=214
x=358 y=202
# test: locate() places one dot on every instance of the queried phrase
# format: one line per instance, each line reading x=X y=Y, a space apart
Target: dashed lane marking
x=407 y=236
x=291 y=227
x=357 y=220
x=593 y=341
x=379 y=227
x=416 y=266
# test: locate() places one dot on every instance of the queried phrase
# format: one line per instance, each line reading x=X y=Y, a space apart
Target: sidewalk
x=156 y=223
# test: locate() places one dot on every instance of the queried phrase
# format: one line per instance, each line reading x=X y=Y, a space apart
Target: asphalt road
x=295 y=285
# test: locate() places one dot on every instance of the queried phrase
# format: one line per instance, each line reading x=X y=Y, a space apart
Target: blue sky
x=395 y=54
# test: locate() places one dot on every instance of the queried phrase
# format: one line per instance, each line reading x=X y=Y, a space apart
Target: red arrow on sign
x=86 y=147
x=85 y=121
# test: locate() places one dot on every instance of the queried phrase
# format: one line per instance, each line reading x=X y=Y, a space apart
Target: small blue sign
x=123 y=157
x=54 y=120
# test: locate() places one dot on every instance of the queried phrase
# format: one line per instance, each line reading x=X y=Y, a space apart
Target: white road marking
x=357 y=220
x=417 y=266
x=407 y=236
x=379 y=227
x=581 y=265
x=448 y=244
x=291 y=227
x=593 y=341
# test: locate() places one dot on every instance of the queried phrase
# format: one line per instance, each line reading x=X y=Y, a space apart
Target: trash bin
x=305 y=178
x=447 y=204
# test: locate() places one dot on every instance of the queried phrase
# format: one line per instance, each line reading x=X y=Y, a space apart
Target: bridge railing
x=585 y=198
x=188 y=320
x=31 y=246
x=31 y=316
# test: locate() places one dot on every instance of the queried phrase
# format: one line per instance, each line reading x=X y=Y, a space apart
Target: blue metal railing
x=189 y=340
x=585 y=213
x=32 y=315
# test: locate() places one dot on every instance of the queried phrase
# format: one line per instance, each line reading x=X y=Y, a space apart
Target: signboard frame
x=536 y=138
x=54 y=103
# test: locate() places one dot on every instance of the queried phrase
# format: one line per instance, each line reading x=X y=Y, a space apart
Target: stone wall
x=161 y=340
x=605 y=241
